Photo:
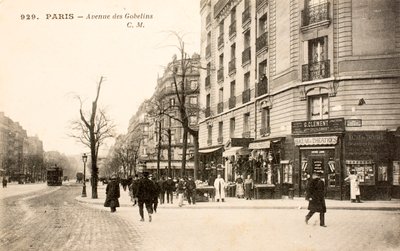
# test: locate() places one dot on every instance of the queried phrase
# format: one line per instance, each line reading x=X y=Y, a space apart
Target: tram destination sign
x=318 y=126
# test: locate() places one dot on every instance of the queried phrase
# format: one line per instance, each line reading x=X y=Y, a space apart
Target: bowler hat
x=145 y=174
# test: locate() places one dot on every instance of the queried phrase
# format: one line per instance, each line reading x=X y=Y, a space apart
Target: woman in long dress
x=239 y=187
x=248 y=187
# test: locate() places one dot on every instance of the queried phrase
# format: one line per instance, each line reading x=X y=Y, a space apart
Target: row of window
x=318 y=108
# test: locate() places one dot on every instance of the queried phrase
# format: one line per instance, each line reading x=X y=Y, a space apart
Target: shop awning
x=209 y=150
x=231 y=151
x=260 y=145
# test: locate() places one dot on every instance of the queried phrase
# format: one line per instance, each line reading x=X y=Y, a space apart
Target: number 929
x=28 y=17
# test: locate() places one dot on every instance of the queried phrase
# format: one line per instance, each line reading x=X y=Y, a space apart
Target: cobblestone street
x=55 y=220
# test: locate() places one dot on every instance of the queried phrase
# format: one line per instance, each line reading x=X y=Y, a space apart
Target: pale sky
x=44 y=62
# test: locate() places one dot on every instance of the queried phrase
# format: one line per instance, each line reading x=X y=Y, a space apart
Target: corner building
x=295 y=87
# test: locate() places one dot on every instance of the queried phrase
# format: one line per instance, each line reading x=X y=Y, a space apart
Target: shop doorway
x=317 y=160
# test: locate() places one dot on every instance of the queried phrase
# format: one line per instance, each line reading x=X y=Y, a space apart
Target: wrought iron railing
x=262 y=41
x=314 y=14
x=246 y=55
x=232 y=28
x=259 y=3
x=246 y=96
x=232 y=102
x=220 y=74
x=317 y=70
x=232 y=65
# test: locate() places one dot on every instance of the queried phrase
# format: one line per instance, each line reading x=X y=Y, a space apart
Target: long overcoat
x=146 y=190
x=112 y=194
x=354 y=185
x=316 y=196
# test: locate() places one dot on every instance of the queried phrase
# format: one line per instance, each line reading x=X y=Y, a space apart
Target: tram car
x=54 y=176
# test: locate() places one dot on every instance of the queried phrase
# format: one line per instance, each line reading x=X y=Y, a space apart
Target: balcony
x=220 y=107
x=220 y=74
x=232 y=66
x=262 y=42
x=262 y=86
x=208 y=51
x=246 y=134
x=208 y=112
x=265 y=131
x=259 y=3
x=246 y=16
x=315 y=14
x=317 y=70
x=232 y=102
x=220 y=140
x=246 y=96
x=246 y=55
x=221 y=40
x=208 y=82
x=232 y=28
x=209 y=142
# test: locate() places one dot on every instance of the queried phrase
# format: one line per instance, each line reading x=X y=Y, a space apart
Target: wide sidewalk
x=235 y=203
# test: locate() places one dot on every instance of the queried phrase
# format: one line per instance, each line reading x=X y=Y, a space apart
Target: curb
x=211 y=206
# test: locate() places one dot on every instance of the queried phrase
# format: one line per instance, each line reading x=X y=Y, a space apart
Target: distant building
x=295 y=87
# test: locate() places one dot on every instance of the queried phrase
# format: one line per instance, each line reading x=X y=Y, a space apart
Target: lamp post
x=84 y=159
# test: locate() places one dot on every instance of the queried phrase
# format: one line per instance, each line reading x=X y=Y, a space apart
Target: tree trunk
x=196 y=155
x=95 y=172
x=169 y=152
x=159 y=148
x=184 y=149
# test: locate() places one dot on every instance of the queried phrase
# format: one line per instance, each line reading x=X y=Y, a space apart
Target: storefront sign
x=260 y=145
x=311 y=141
x=353 y=122
x=318 y=126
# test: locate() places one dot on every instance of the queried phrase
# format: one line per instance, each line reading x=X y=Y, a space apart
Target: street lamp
x=84 y=159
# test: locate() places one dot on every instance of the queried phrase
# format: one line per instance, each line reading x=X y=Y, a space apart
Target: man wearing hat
x=145 y=194
x=112 y=194
x=316 y=197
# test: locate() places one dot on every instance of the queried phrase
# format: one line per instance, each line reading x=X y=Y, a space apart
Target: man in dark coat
x=112 y=194
x=162 y=189
x=316 y=197
x=133 y=189
x=156 y=194
x=191 y=191
x=145 y=194
x=169 y=186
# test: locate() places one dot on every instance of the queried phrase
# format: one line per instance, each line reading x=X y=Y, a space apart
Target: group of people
x=146 y=192
x=244 y=188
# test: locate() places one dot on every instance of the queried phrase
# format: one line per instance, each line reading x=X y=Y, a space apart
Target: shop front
x=318 y=148
x=370 y=155
x=236 y=156
x=211 y=162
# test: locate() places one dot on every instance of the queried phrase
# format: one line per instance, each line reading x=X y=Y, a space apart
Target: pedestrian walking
x=156 y=194
x=180 y=190
x=316 y=197
x=219 y=186
x=239 y=187
x=354 y=186
x=145 y=194
x=4 y=182
x=162 y=189
x=133 y=189
x=112 y=194
x=169 y=189
x=191 y=191
x=248 y=187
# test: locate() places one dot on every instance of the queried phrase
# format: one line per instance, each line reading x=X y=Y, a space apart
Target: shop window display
x=365 y=169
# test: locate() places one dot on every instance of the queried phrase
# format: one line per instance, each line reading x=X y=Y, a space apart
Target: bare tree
x=181 y=69
x=91 y=130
